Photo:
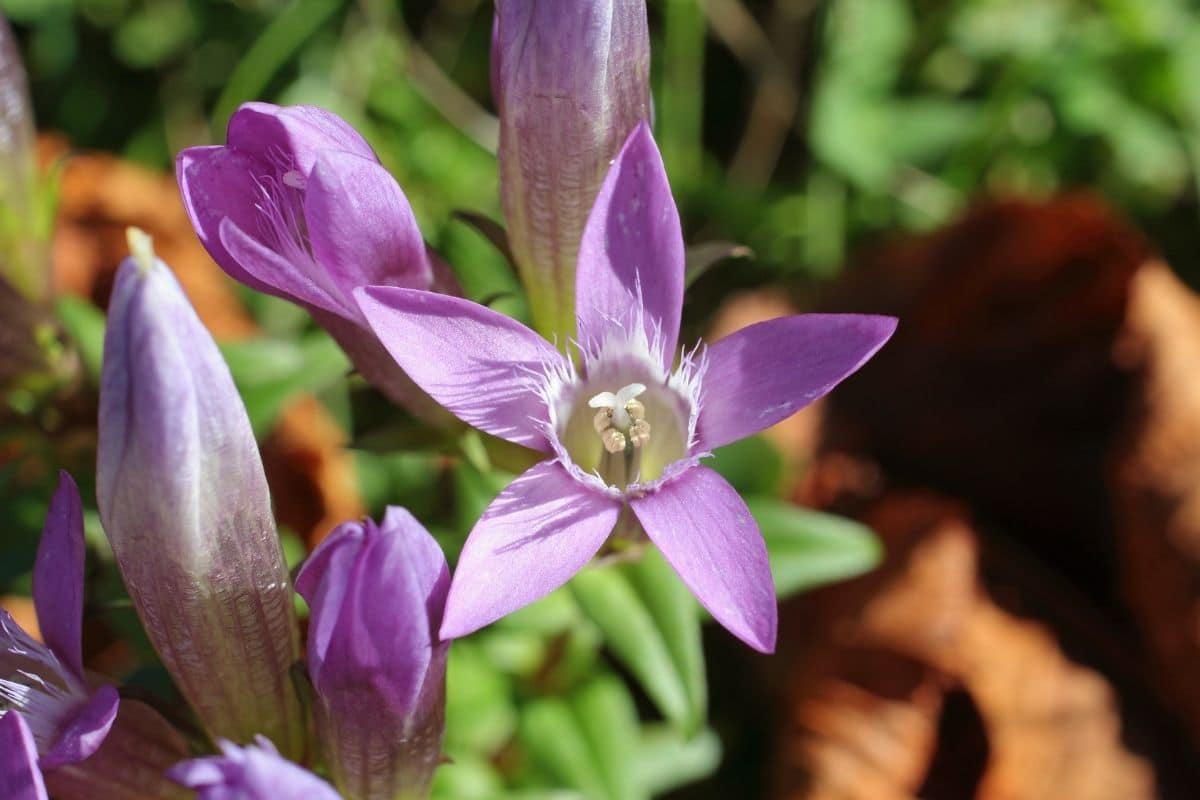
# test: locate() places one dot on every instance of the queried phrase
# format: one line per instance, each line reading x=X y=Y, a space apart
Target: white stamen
x=617 y=403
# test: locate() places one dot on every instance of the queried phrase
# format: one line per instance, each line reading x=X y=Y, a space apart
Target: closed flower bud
x=571 y=79
x=376 y=594
x=183 y=499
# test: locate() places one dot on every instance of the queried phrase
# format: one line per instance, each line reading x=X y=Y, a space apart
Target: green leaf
x=652 y=625
x=666 y=760
x=808 y=548
x=589 y=741
x=85 y=325
x=270 y=372
x=480 y=716
x=751 y=465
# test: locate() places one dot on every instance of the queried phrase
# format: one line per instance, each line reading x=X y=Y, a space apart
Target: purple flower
x=69 y=718
x=571 y=79
x=184 y=502
x=376 y=594
x=297 y=205
x=623 y=430
x=250 y=773
x=20 y=778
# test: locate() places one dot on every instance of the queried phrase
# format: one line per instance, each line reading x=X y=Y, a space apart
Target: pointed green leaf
x=651 y=623
x=587 y=742
x=808 y=548
x=666 y=760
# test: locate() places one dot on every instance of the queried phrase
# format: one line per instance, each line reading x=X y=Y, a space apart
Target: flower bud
x=571 y=80
x=183 y=499
x=376 y=594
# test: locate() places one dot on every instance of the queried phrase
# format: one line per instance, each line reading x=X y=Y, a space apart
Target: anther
x=603 y=420
x=614 y=440
x=635 y=410
x=639 y=432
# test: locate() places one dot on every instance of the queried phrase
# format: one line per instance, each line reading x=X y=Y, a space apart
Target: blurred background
x=1017 y=180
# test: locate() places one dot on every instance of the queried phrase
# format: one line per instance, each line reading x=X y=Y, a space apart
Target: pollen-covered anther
x=639 y=433
x=603 y=420
x=614 y=440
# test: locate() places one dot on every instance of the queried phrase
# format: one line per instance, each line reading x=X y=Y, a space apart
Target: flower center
x=621 y=419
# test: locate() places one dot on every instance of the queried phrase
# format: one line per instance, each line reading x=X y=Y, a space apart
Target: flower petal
x=272 y=273
x=20 y=778
x=361 y=227
x=477 y=363
x=539 y=532
x=215 y=183
x=632 y=251
x=58 y=576
x=298 y=133
x=766 y=372
x=256 y=772
x=85 y=731
x=707 y=535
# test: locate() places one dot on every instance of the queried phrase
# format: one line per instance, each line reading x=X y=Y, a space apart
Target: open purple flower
x=297 y=205
x=250 y=773
x=624 y=430
x=376 y=593
x=45 y=682
x=20 y=778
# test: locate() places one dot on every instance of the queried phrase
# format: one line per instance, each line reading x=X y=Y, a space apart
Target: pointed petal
x=20 y=778
x=299 y=133
x=129 y=765
x=361 y=226
x=83 y=734
x=707 y=535
x=539 y=532
x=272 y=273
x=766 y=372
x=58 y=576
x=215 y=183
x=476 y=362
x=632 y=250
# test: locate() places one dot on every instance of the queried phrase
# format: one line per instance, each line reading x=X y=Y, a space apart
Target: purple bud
x=376 y=594
x=571 y=80
x=183 y=499
x=296 y=205
x=250 y=773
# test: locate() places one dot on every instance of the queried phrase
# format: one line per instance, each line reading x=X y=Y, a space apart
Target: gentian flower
x=255 y=772
x=69 y=718
x=624 y=431
x=297 y=205
x=20 y=778
x=376 y=595
x=184 y=502
x=571 y=79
